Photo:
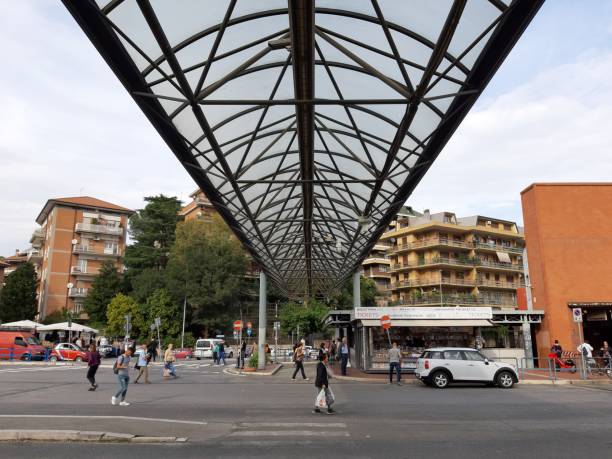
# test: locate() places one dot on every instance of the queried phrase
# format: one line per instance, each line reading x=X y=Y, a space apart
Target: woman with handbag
x=325 y=397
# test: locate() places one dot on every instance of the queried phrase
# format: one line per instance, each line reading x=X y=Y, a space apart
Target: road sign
x=238 y=325
x=385 y=321
x=577 y=314
x=276 y=325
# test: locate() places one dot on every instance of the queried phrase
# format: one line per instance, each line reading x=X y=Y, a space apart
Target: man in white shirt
x=587 y=354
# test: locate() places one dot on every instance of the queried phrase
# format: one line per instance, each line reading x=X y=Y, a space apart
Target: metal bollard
x=11 y=354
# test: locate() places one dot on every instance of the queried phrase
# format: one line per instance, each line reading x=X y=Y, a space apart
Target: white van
x=204 y=348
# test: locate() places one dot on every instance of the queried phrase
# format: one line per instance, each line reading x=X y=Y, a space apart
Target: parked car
x=68 y=351
x=204 y=347
x=438 y=367
x=106 y=350
x=183 y=353
x=20 y=345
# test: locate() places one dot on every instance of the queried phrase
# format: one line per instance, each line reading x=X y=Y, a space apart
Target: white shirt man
x=586 y=349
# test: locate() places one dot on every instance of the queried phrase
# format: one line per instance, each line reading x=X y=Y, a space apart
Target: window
x=32 y=340
x=474 y=356
x=432 y=355
x=453 y=355
x=19 y=341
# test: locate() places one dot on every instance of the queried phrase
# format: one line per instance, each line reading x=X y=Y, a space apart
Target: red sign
x=385 y=321
x=249 y=325
x=238 y=325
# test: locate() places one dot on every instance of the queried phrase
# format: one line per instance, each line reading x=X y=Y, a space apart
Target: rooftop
x=80 y=202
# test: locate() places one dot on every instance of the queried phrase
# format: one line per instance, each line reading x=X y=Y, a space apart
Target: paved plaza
x=225 y=415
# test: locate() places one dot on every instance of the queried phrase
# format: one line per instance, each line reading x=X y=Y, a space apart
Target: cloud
x=555 y=127
x=67 y=126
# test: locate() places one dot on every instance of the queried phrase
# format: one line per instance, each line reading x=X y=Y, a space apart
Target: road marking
x=288 y=433
x=292 y=424
x=130 y=418
x=24 y=370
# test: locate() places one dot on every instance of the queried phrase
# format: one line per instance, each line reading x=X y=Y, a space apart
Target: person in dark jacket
x=322 y=382
x=93 y=362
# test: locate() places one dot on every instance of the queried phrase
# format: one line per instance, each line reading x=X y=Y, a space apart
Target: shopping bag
x=166 y=372
x=348 y=364
x=329 y=397
x=321 y=401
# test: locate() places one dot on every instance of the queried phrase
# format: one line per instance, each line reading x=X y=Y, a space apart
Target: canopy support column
x=357 y=289
x=261 y=336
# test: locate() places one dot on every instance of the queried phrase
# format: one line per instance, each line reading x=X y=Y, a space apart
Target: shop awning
x=430 y=323
x=503 y=257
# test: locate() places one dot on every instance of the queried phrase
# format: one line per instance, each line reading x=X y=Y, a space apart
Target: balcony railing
x=77 y=292
x=34 y=255
x=495 y=264
x=453 y=300
x=499 y=284
x=102 y=229
x=436 y=241
x=497 y=247
x=434 y=282
x=87 y=249
x=77 y=270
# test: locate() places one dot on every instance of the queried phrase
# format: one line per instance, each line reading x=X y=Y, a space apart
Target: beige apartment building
x=76 y=236
x=439 y=259
x=199 y=207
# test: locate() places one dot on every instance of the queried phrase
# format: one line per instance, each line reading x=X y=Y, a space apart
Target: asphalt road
x=260 y=417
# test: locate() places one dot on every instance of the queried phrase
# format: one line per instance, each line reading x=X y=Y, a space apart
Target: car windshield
x=32 y=340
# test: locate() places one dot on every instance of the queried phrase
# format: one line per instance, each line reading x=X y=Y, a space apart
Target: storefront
x=414 y=329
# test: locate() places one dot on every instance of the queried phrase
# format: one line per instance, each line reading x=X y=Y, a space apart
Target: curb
x=233 y=372
x=81 y=436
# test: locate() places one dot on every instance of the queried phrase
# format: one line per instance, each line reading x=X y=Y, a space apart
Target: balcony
x=98 y=251
x=497 y=247
x=98 y=229
x=433 y=282
x=37 y=238
x=34 y=256
x=455 y=300
x=78 y=271
x=77 y=292
x=498 y=265
x=432 y=242
x=467 y=262
x=499 y=284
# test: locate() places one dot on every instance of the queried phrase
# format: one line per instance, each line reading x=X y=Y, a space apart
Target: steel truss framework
x=307 y=125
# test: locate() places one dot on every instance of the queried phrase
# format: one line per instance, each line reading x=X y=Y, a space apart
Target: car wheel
x=440 y=379
x=198 y=358
x=27 y=357
x=505 y=380
x=78 y=359
x=53 y=358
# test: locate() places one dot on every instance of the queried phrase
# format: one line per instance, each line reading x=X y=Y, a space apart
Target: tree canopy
x=18 y=296
x=309 y=317
x=344 y=298
x=152 y=230
x=118 y=308
x=207 y=265
x=103 y=289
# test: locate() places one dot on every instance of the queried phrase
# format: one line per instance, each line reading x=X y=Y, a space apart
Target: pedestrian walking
x=344 y=356
x=395 y=363
x=298 y=358
x=93 y=362
x=332 y=352
x=169 y=360
x=221 y=355
x=587 y=354
x=322 y=384
x=122 y=370
x=152 y=348
x=216 y=354
x=144 y=357
x=605 y=354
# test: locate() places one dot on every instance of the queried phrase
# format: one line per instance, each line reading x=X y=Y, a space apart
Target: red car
x=183 y=353
x=68 y=351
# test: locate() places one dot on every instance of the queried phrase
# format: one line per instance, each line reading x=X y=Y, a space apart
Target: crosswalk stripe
x=288 y=433
x=293 y=424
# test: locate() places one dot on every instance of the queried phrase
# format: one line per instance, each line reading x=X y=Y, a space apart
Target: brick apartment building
x=568 y=228
x=76 y=236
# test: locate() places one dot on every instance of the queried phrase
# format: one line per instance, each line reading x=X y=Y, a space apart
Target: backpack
x=585 y=353
x=115 y=369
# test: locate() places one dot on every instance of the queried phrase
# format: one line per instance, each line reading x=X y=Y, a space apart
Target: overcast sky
x=68 y=128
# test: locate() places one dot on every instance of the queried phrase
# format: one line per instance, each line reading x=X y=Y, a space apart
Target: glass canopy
x=308 y=124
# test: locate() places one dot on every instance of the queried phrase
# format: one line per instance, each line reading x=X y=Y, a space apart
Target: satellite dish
x=74 y=242
x=69 y=285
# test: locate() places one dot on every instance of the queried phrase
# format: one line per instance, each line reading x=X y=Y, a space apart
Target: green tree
x=344 y=298
x=103 y=289
x=152 y=230
x=118 y=308
x=160 y=304
x=309 y=318
x=207 y=264
x=144 y=284
x=18 y=296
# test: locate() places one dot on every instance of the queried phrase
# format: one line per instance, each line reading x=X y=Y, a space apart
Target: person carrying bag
x=325 y=396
